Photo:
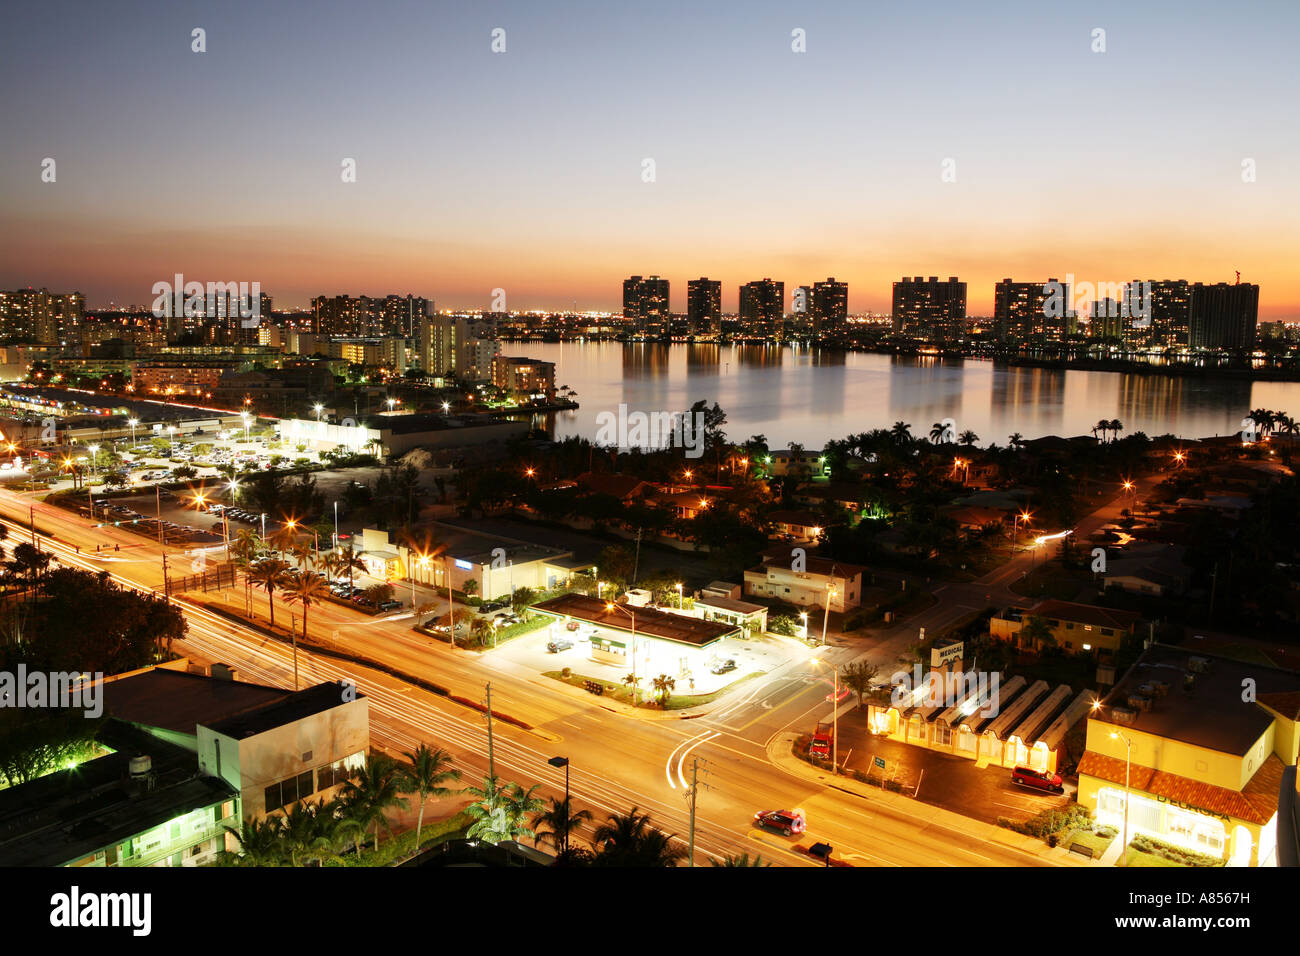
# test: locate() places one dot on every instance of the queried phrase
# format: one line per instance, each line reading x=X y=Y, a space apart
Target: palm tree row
x=319 y=832
x=1105 y=425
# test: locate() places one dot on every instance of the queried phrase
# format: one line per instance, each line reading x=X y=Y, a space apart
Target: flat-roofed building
x=810 y=580
x=657 y=641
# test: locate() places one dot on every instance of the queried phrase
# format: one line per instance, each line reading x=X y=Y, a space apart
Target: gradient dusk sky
x=523 y=170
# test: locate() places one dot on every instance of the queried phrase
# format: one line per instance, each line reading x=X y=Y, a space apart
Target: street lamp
x=94 y=452
x=1128 y=760
x=564 y=762
x=133 y=422
x=245 y=417
x=803 y=616
x=632 y=615
x=679 y=595
x=171 y=438
x=319 y=408
x=1015 y=526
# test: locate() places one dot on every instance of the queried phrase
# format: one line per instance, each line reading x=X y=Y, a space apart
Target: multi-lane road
x=617 y=760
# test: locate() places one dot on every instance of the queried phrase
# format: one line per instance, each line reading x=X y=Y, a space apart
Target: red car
x=1037 y=779
x=788 y=822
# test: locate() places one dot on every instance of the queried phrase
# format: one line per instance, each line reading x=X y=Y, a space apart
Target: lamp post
x=133 y=422
x=244 y=416
x=1128 y=760
x=1015 y=526
x=632 y=615
x=94 y=453
x=171 y=439
x=679 y=595
x=336 y=524
x=564 y=762
x=803 y=617
x=319 y=408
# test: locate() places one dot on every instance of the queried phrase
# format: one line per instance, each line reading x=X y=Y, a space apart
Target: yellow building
x=1203 y=742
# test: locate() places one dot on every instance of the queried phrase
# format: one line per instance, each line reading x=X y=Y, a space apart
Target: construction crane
x=1238 y=282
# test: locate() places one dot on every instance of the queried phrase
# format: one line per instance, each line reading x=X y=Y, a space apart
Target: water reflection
x=794 y=394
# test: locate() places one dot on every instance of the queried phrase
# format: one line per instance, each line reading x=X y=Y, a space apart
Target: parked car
x=554 y=647
x=723 y=667
x=787 y=822
x=573 y=625
x=1038 y=779
x=389 y=605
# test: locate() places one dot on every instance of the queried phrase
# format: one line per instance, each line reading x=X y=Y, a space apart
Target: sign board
x=941 y=654
x=879 y=762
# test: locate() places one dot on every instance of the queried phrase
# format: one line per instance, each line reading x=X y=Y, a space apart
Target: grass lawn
x=1138 y=858
x=1094 y=841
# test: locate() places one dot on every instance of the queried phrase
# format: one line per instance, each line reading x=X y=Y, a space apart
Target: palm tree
x=968 y=438
x=501 y=812
x=370 y=794
x=521 y=805
x=259 y=843
x=306 y=588
x=902 y=433
x=554 y=825
x=428 y=771
x=348 y=560
x=270 y=575
x=1116 y=426
x=1017 y=439
x=489 y=812
x=937 y=432
x=663 y=685
x=303 y=834
x=1101 y=426
x=630 y=840
x=742 y=860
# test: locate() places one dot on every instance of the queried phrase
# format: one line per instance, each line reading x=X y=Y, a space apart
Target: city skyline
x=516 y=171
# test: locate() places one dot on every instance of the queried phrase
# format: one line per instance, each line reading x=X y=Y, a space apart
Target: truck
x=822 y=741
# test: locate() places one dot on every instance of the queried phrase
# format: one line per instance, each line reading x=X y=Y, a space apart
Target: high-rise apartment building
x=39 y=315
x=355 y=316
x=1223 y=316
x=645 y=305
x=762 y=308
x=440 y=335
x=930 y=309
x=1037 y=313
x=830 y=306
x=704 y=306
x=1165 y=308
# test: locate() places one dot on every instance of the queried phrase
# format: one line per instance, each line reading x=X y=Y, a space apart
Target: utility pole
x=690 y=796
x=32 y=512
x=492 y=772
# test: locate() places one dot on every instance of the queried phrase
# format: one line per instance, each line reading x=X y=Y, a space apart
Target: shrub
x=566 y=673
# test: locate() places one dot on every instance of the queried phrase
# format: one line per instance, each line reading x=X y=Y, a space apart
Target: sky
x=525 y=170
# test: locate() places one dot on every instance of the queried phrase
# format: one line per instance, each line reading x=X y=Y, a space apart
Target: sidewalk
x=780 y=754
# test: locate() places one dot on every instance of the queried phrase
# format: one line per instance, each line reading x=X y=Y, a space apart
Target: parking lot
x=946 y=780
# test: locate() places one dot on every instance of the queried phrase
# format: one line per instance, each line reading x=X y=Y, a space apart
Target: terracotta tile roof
x=1256 y=802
